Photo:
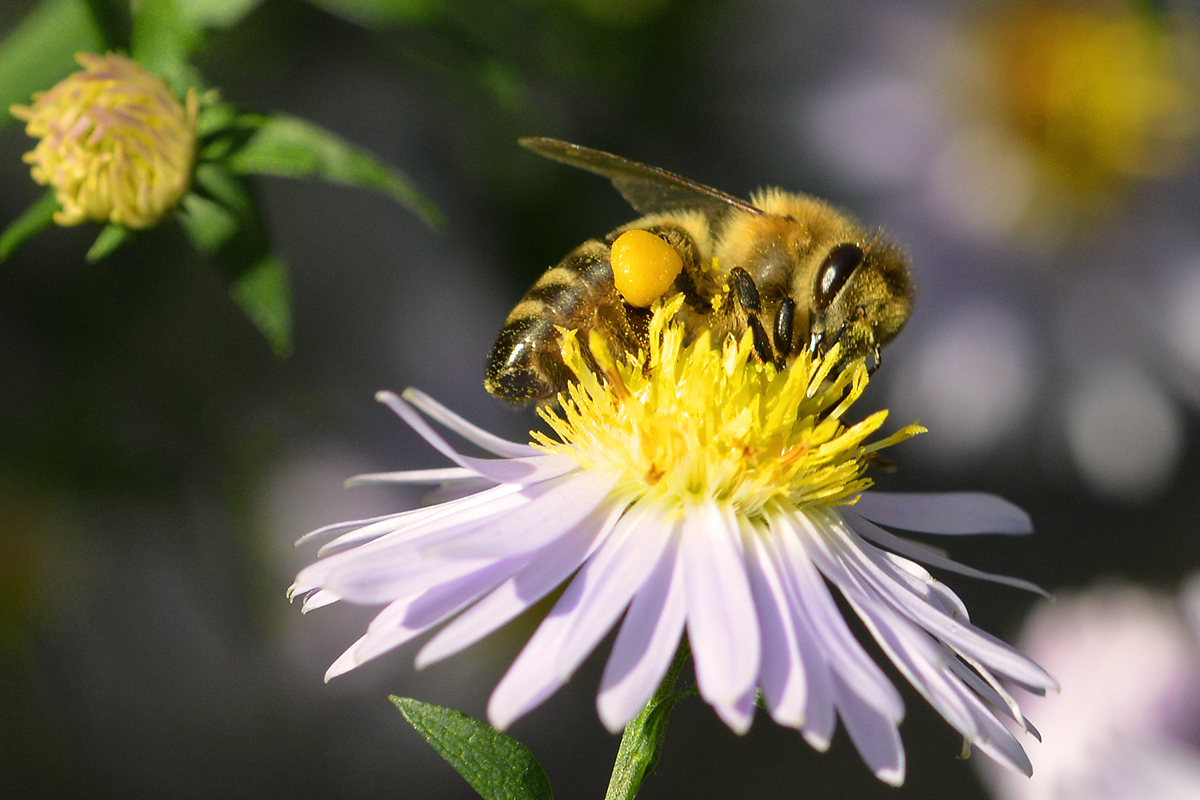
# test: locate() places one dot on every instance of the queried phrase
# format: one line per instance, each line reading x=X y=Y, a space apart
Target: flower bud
x=116 y=144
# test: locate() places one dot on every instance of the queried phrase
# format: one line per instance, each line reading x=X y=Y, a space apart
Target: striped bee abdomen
x=525 y=364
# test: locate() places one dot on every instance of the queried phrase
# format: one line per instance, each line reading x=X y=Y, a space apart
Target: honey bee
x=792 y=269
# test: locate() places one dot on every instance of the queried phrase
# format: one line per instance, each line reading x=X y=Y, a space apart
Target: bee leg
x=877 y=361
x=747 y=295
x=745 y=289
x=784 y=319
x=816 y=342
x=762 y=345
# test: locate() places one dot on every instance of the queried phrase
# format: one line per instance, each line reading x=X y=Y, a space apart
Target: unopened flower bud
x=116 y=144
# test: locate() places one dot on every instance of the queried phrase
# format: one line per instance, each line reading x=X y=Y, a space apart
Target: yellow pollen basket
x=644 y=267
x=708 y=421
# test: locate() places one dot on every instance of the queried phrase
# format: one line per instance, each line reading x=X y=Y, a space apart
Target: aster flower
x=116 y=145
x=692 y=489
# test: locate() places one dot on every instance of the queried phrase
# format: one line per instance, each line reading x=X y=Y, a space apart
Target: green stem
x=643 y=739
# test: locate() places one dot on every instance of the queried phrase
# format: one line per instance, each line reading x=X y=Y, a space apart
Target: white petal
x=845 y=655
x=407 y=618
x=444 y=475
x=502 y=470
x=568 y=501
x=318 y=599
x=925 y=555
x=546 y=570
x=580 y=618
x=612 y=577
x=337 y=526
x=413 y=523
x=953 y=513
x=782 y=677
x=469 y=431
x=875 y=735
x=646 y=644
x=819 y=715
x=995 y=654
x=722 y=626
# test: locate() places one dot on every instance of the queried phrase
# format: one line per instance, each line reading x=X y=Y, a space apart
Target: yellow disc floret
x=705 y=421
x=644 y=267
x=116 y=144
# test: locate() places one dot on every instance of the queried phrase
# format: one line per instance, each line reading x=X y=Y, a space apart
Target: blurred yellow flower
x=116 y=144
x=1101 y=90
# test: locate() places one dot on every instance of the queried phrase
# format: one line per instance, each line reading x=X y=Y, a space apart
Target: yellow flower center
x=116 y=145
x=701 y=421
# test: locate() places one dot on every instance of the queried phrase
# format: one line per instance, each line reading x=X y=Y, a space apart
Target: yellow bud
x=116 y=144
x=644 y=267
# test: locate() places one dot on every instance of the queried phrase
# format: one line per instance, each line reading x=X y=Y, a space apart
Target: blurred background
x=1037 y=161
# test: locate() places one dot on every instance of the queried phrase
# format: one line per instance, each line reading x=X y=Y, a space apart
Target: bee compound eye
x=834 y=271
x=644 y=267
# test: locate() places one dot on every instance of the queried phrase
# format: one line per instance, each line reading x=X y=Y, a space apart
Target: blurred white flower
x=1124 y=724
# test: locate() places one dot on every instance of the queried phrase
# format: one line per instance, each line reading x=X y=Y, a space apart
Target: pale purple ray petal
x=412 y=523
x=567 y=502
x=722 y=626
x=420 y=613
x=819 y=715
x=917 y=552
x=782 y=677
x=913 y=651
x=415 y=542
x=402 y=549
x=874 y=734
x=502 y=470
x=608 y=579
x=879 y=573
x=546 y=570
x=646 y=643
x=370 y=583
x=354 y=523
x=802 y=543
x=611 y=580
x=319 y=599
x=418 y=476
x=995 y=696
x=469 y=431
x=951 y=513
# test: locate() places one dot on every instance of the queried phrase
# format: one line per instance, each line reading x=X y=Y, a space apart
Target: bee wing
x=648 y=189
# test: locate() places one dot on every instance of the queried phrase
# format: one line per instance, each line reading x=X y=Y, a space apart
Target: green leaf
x=220 y=218
x=497 y=766
x=111 y=237
x=41 y=50
x=290 y=147
x=36 y=219
x=162 y=39
x=264 y=293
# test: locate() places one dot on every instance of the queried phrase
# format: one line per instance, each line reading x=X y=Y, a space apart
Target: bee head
x=861 y=297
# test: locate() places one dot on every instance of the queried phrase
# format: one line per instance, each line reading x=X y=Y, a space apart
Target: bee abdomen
x=525 y=364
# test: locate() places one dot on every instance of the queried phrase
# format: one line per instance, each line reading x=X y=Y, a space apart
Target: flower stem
x=643 y=739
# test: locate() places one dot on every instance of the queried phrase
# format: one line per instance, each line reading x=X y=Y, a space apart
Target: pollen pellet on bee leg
x=644 y=267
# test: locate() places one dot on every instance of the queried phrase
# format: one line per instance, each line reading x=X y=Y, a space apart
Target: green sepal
x=41 y=50
x=497 y=766
x=111 y=237
x=221 y=219
x=642 y=741
x=32 y=221
x=289 y=147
